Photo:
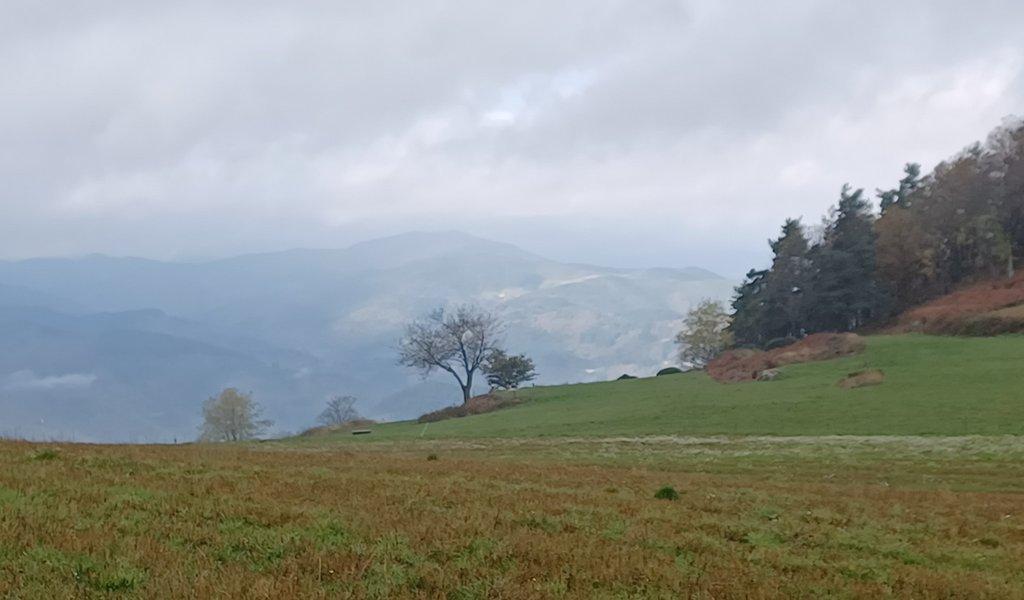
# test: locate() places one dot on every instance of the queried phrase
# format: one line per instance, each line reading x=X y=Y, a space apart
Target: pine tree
x=748 y=308
x=900 y=196
x=786 y=284
x=846 y=294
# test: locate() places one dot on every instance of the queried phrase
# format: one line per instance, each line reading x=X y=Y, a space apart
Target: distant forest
x=929 y=234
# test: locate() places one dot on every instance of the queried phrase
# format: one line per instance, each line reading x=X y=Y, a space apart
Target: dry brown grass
x=476 y=405
x=984 y=308
x=744 y=364
x=834 y=517
x=861 y=379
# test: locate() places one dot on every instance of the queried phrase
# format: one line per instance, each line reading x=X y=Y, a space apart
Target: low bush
x=342 y=428
x=667 y=493
x=45 y=454
x=669 y=371
x=475 y=406
x=624 y=377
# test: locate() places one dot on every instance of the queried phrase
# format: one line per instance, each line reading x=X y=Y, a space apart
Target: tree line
x=930 y=233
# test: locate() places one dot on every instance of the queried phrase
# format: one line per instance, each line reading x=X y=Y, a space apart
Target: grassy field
x=556 y=498
x=755 y=518
x=934 y=386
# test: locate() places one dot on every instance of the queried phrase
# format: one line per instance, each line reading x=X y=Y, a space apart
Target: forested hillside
x=929 y=235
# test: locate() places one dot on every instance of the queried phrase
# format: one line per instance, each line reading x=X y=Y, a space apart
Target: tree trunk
x=467 y=390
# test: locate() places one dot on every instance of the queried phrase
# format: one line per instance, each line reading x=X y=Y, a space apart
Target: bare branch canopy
x=457 y=341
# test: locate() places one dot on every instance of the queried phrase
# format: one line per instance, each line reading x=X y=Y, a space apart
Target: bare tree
x=232 y=416
x=340 y=410
x=457 y=341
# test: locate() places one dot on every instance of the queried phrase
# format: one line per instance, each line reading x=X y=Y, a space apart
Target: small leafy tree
x=705 y=334
x=340 y=410
x=508 y=372
x=232 y=416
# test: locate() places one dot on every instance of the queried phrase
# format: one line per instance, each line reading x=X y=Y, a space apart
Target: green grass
x=667 y=487
x=754 y=517
x=944 y=386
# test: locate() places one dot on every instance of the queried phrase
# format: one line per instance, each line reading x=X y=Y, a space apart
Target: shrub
x=343 y=428
x=474 y=406
x=667 y=493
x=431 y=457
x=45 y=454
x=624 y=377
x=669 y=371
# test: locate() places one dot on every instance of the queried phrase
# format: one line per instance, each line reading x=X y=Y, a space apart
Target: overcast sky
x=633 y=133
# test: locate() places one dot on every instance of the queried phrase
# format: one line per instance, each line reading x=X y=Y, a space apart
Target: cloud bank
x=194 y=129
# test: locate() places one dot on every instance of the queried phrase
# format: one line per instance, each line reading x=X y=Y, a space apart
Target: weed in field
x=44 y=454
x=667 y=493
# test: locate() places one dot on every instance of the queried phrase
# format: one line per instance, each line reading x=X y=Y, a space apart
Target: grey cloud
x=197 y=128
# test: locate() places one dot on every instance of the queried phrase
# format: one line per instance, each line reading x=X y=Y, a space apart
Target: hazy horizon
x=433 y=233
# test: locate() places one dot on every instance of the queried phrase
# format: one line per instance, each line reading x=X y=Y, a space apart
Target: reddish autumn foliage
x=977 y=309
x=745 y=365
x=474 y=406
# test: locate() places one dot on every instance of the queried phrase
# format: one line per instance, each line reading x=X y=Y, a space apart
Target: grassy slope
x=934 y=386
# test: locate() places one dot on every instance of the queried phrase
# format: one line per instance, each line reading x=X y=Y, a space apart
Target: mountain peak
x=418 y=245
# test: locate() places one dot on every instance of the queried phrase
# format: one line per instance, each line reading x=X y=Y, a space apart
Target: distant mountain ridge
x=144 y=342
